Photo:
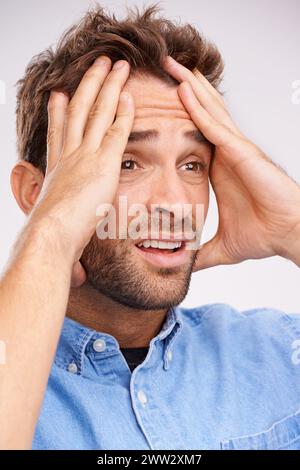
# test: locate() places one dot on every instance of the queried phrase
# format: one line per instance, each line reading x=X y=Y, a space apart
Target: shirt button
x=99 y=345
x=72 y=367
x=142 y=397
x=170 y=355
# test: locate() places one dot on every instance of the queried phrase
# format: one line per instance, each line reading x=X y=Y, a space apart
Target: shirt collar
x=76 y=338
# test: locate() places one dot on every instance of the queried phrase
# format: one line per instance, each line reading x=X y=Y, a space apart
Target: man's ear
x=26 y=183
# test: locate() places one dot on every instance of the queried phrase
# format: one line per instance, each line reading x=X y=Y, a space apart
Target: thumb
x=210 y=254
x=78 y=275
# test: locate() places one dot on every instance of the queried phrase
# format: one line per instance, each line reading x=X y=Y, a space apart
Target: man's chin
x=119 y=272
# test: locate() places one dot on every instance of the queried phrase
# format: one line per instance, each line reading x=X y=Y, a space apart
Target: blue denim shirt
x=214 y=378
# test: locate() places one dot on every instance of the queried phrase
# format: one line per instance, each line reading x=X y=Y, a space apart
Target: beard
x=116 y=270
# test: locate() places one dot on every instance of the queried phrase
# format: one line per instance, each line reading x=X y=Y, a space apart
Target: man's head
x=170 y=167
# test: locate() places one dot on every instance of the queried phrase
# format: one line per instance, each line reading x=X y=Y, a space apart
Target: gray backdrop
x=260 y=43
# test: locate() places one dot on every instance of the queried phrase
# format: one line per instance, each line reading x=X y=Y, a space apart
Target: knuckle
x=76 y=106
x=124 y=113
x=115 y=131
x=78 y=103
x=51 y=135
x=207 y=125
x=71 y=109
x=92 y=73
x=96 y=111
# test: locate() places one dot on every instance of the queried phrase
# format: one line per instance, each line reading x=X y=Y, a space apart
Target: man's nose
x=168 y=193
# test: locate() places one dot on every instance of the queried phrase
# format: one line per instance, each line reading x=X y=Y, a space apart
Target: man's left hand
x=258 y=203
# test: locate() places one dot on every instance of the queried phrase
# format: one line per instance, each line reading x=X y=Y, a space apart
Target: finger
x=215 y=132
x=201 y=78
x=56 y=108
x=104 y=110
x=114 y=142
x=209 y=255
x=181 y=73
x=82 y=102
x=78 y=275
x=210 y=100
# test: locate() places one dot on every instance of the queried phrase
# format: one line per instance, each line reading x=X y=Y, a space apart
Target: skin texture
x=83 y=135
x=122 y=287
x=34 y=288
x=258 y=203
x=117 y=286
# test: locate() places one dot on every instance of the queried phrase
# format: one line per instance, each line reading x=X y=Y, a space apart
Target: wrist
x=45 y=239
x=291 y=247
x=294 y=253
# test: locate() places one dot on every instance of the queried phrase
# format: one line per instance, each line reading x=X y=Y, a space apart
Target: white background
x=260 y=44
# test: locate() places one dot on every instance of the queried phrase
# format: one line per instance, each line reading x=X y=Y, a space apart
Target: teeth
x=160 y=244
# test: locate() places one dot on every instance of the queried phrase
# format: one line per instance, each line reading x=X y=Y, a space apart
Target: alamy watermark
x=296 y=92
x=296 y=352
x=166 y=221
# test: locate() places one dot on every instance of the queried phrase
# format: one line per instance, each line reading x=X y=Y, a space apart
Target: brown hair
x=142 y=39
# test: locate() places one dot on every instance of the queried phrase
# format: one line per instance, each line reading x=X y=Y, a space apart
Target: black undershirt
x=134 y=356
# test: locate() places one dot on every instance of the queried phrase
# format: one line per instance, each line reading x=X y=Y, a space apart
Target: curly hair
x=142 y=38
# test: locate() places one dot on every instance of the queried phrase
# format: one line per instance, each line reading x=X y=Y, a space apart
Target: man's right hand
x=87 y=137
x=85 y=146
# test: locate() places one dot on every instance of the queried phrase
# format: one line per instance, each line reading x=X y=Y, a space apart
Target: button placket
x=142 y=397
x=170 y=355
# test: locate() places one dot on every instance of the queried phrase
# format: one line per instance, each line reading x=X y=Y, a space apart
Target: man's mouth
x=163 y=253
x=161 y=246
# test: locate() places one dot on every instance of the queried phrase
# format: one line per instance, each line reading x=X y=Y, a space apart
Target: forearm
x=33 y=298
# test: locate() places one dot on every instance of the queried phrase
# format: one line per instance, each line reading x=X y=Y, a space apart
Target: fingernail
x=125 y=96
x=59 y=93
x=170 y=60
x=118 y=65
x=101 y=60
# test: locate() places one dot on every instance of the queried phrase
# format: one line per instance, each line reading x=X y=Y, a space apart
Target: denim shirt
x=214 y=378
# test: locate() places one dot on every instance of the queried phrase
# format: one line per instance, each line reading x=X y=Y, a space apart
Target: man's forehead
x=154 y=98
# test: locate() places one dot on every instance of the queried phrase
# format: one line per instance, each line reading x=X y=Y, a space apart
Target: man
x=99 y=353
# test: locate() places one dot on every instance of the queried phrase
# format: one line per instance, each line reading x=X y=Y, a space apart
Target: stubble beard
x=116 y=270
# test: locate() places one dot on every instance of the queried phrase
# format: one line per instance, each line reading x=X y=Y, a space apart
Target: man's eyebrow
x=152 y=134
x=196 y=135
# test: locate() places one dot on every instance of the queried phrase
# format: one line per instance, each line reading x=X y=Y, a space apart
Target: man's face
x=164 y=170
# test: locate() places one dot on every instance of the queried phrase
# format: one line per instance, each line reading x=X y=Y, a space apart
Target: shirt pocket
x=282 y=435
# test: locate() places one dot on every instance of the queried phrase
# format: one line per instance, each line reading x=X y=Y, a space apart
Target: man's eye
x=193 y=166
x=128 y=165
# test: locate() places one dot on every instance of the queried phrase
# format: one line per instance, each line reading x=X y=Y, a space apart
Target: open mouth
x=163 y=254
x=161 y=246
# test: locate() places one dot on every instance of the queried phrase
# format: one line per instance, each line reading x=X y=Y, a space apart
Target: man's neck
x=132 y=328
